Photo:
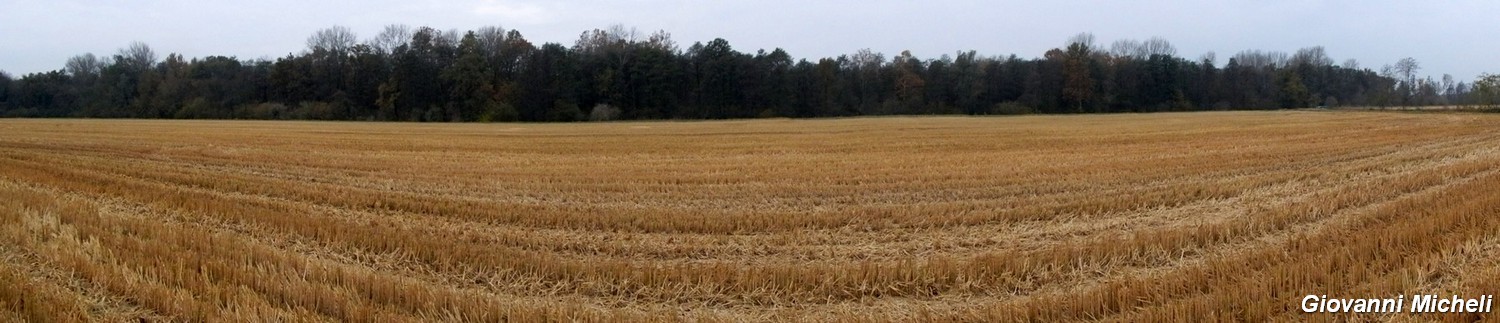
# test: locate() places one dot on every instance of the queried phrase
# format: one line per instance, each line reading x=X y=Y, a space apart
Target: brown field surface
x=1153 y=217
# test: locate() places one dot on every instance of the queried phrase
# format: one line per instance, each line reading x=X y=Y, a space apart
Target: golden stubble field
x=1155 y=217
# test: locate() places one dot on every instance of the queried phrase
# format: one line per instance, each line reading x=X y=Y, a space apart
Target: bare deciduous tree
x=1253 y=58
x=622 y=33
x=1085 y=39
x=1449 y=88
x=1125 y=48
x=491 y=39
x=867 y=60
x=336 y=39
x=1158 y=46
x=1314 y=56
x=390 y=37
x=84 y=66
x=1142 y=50
x=449 y=38
x=138 y=56
x=1277 y=59
x=1407 y=68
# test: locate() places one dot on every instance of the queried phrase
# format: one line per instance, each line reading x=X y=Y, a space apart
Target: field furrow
x=1162 y=217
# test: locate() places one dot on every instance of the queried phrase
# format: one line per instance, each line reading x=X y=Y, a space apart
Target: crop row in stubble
x=751 y=221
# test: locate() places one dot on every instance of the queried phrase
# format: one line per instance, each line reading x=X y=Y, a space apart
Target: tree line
x=494 y=74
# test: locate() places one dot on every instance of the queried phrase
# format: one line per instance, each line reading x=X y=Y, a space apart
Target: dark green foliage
x=5 y=82
x=497 y=75
x=472 y=95
x=1293 y=93
x=547 y=86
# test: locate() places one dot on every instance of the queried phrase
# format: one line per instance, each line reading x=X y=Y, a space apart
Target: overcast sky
x=1455 y=37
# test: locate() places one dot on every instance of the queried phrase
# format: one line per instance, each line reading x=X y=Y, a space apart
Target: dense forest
x=493 y=74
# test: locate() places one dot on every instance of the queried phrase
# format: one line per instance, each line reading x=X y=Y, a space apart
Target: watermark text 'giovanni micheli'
x=1398 y=304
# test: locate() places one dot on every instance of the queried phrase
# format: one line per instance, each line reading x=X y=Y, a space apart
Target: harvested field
x=1184 y=217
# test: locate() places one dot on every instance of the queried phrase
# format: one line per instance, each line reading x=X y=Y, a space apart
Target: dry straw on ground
x=1156 y=217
